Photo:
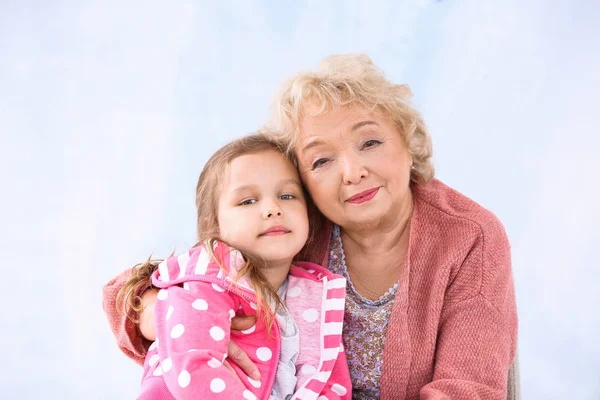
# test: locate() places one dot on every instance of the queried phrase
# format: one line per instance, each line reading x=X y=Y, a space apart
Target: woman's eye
x=247 y=202
x=319 y=163
x=371 y=143
x=287 y=197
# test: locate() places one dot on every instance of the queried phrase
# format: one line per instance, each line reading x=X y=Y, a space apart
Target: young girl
x=252 y=221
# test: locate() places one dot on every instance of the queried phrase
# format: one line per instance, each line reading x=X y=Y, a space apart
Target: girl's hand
x=148 y=330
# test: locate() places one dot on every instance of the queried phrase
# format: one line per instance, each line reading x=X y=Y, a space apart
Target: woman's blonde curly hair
x=352 y=79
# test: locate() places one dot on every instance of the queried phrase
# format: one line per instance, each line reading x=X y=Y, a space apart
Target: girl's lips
x=363 y=197
x=275 y=231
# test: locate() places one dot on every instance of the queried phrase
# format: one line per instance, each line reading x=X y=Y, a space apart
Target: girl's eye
x=371 y=143
x=247 y=202
x=319 y=163
x=287 y=197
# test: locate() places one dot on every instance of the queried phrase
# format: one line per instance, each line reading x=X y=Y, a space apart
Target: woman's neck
x=374 y=257
x=381 y=237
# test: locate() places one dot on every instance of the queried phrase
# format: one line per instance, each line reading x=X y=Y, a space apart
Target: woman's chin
x=364 y=218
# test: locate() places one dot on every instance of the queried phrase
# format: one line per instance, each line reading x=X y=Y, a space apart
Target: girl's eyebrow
x=290 y=181
x=248 y=188
x=244 y=188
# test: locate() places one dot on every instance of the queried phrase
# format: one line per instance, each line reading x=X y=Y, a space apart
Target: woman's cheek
x=322 y=192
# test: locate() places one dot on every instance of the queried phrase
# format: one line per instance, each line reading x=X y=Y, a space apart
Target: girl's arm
x=192 y=328
x=134 y=340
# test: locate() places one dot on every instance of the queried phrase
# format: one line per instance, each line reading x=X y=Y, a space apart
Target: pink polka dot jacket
x=194 y=307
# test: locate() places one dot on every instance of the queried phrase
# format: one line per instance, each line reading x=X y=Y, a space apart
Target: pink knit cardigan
x=453 y=329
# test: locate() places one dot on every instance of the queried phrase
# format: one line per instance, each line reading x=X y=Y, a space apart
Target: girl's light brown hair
x=346 y=80
x=208 y=191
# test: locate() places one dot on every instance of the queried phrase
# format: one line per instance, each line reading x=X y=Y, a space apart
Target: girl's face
x=355 y=166
x=262 y=210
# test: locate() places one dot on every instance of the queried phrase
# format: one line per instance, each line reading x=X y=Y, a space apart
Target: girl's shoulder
x=211 y=259
x=312 y=271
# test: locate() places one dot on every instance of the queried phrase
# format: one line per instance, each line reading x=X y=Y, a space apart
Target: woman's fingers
x=239 y=357
x=146 y=317
x=226 y=363
x=242 y=323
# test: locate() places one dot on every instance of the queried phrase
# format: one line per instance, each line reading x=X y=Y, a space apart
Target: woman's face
x=355 y=165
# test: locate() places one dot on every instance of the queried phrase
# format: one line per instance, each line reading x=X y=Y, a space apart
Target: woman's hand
x=146 y=325
x=148 y=330
x=238 y=355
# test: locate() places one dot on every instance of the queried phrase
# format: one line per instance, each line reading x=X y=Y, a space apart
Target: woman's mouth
x=363 y=197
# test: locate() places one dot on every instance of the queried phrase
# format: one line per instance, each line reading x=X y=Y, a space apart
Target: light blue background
x=108 y=110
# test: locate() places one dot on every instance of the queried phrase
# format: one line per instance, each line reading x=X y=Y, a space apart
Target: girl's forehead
x=260 y=168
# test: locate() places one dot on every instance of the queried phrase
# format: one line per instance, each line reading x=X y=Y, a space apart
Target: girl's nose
x=272 y=211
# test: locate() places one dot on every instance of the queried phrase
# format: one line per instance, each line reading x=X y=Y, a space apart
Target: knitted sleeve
x=128 y=338
x=478 y=325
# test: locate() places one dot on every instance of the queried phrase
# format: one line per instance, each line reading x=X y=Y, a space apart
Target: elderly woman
x=430 y=308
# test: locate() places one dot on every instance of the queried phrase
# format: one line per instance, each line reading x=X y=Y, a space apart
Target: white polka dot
x=249 y=330
x=153 y=360
x=217 y=333
x=217 y=385
x=310 y=315
x=312 y=271
x=231 y=314
x=214 y=363
x=166 y=364
x=322 y=398
x=308 y=369
x=217 y=288
x=162 y=294
x=338 y=389
x=157 y=371
x=253 y=306
x=153 y=345
x=264 y=353
x=177 y=331
x=184 y=378
x=200 y=304
x=293 y=292
x=254 y=383
x=186 y=286
x=248 y=395
x=169 y=312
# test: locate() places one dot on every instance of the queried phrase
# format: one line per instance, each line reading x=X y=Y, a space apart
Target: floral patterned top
x=365 y=326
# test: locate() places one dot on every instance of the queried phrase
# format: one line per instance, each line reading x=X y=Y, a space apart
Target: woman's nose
x=353 y=170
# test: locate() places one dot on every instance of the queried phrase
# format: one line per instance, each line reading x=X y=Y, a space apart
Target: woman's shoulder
x=438 y=204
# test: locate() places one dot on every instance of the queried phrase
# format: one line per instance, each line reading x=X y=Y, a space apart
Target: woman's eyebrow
x=359 y=125
x=312 y=144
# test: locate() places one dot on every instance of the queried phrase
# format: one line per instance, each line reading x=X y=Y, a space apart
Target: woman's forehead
x=337 y=124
